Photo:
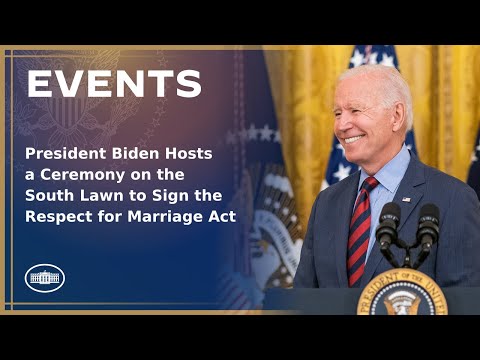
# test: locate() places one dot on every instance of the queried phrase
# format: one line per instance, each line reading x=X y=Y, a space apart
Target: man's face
x=362 y=125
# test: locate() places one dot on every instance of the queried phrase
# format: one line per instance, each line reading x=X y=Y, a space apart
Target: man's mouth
x=353 y=139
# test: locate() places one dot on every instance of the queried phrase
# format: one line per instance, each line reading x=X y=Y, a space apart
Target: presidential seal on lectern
x=402 y=292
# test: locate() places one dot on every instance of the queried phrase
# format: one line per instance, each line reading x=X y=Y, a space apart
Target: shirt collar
x=392 y=172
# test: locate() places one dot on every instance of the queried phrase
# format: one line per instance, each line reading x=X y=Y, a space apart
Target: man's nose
x=344 y=122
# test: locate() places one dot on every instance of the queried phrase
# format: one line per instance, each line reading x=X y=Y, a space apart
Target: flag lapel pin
x=406 y=199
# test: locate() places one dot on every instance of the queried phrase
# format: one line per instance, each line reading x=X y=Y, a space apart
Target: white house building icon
x=44 y=277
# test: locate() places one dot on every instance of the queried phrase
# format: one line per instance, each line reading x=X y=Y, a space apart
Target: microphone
x=427 y=232
x=386 y=231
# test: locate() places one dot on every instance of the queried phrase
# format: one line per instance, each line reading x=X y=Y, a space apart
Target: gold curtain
x=445 y=85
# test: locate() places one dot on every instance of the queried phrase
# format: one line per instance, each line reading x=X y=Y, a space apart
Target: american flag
x=338 y=166
x=474 y=173
x=266 y=246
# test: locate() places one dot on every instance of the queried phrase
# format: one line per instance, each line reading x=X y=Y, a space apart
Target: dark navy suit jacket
x=454 y=259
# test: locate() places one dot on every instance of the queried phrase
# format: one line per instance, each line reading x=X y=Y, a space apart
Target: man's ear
x=399 y=116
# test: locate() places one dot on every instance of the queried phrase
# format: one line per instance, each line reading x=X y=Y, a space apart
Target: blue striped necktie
x=359 y=233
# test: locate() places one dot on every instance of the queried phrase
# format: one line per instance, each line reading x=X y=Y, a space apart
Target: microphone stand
x=407 y=261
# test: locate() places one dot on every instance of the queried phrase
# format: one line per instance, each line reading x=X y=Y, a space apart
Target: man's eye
x=355 y=110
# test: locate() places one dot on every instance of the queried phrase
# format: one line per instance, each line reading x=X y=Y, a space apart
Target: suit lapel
x=346 y=199
x=414 y=176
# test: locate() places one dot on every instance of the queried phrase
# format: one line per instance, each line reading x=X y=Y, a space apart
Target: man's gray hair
x=393 y=89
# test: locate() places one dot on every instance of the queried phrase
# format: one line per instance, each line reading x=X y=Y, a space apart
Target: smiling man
x=373 y=112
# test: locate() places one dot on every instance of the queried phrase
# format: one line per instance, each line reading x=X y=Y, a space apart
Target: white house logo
x=44 y=278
